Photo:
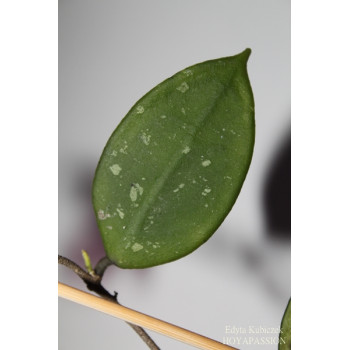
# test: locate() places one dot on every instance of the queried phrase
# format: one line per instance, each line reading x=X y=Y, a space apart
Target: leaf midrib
x=139 y=219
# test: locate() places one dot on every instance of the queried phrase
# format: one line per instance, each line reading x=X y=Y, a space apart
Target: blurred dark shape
x=87 y=236
x=84 y=179
x=277 y=193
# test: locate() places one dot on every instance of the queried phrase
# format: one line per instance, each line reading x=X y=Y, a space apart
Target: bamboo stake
x=139 y=319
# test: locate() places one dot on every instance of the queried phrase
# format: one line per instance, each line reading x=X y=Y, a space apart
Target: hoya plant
x=172 y=170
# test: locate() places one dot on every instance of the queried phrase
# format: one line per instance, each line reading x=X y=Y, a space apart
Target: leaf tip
x=245 y=54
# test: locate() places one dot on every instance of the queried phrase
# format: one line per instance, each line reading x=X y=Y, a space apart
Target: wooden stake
x=139 y=319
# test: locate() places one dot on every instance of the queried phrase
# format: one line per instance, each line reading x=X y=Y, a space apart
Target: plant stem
x=85 y=276
x=93 y=283
x=102 y=265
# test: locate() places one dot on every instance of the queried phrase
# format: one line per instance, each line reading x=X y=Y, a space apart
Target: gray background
x=110 y=54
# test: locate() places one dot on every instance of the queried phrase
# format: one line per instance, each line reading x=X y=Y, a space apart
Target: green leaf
x=285 y=334
x=173 y=168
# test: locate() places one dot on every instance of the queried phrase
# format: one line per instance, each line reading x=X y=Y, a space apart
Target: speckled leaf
x=173 y=168
x=285 y=335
